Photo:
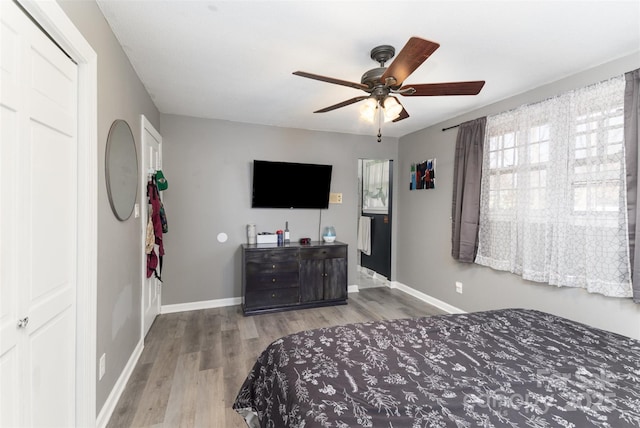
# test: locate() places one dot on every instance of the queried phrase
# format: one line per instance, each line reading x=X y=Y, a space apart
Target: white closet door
x=38 y=226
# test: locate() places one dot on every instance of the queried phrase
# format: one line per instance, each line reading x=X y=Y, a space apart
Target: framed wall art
x=423 y=175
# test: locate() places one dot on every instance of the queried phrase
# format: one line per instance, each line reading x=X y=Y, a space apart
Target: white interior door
x=151 y=162
x=38 y=226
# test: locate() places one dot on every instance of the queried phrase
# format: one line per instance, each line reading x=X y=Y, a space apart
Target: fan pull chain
x=379 y=108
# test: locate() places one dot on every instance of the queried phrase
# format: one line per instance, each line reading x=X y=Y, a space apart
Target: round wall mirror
x=121 y=169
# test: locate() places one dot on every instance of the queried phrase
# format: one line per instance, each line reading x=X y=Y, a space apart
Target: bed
x=503 y=368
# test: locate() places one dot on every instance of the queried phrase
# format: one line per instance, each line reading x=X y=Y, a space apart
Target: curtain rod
x=451 y=127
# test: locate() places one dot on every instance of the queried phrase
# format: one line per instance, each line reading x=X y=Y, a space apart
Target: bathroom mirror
x=121 y=169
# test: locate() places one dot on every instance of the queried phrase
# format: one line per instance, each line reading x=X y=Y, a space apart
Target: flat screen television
x=290 y=185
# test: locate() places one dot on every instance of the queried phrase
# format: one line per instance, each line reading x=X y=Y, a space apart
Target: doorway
x=375 y=178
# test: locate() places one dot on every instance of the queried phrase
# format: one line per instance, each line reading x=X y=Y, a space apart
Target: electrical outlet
x=458 y=287
x=335 y=198
x=103 y=366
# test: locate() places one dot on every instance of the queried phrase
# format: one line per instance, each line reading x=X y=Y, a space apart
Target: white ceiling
x=233 y=60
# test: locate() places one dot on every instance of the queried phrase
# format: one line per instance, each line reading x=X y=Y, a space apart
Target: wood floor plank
x=181 y=407
x=210 y=402
x=234 y=364
x=211 y=327
x=192 y=335
x=130 y=399
x=247 y=328
x=194 y=363
x=171 y=328
x=230 y=316
x=155 y=395
x=181 y=324
x=155 y=337
x=212 y=356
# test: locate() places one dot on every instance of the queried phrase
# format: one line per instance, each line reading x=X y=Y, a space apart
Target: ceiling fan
x=382 y=83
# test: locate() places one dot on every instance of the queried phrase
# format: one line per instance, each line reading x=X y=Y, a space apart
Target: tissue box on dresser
x=271 y=238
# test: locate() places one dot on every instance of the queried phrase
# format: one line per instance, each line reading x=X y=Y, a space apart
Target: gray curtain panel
x=631 y=138
x=467 y=174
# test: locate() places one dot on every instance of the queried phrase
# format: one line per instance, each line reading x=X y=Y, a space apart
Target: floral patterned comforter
x=504 y=368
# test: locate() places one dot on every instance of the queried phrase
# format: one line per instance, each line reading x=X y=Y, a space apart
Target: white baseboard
x=371 y=274
x=426 y=298
x=354 y=288
x=118 y=388
x=205 y=304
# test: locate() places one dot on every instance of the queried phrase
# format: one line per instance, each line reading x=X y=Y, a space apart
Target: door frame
x=390 y=210
x=50 y=16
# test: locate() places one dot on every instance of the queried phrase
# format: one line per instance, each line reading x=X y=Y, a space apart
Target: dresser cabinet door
x=323 y=273
x=312 y=280
x=335 y=279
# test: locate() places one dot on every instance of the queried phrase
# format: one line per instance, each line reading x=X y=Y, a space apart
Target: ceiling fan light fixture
x=392 y=109
x=369 y=109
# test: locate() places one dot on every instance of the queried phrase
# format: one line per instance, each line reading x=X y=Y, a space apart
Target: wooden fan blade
x=403 y=115
x=342 y=104
x=439 y=89
x=331 y=80
x=414 y=53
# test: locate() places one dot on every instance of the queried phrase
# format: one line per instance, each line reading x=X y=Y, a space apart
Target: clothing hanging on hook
x=156 y=207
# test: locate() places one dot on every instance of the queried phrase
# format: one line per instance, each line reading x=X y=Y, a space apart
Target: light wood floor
x=194 y=363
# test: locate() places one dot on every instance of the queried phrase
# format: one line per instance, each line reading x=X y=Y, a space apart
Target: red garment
x=152 y=263
x=152 y=258
x=154 y=199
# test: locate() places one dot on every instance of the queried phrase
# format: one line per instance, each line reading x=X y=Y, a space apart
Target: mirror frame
x=121 y=169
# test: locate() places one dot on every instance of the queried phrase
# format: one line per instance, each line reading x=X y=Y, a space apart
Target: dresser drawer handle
x=273 y=280
x=273 y=295
x=273 y=267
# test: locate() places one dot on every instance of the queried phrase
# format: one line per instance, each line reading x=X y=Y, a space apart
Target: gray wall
x=121 y=95
x=424 y=230
x=208 y=166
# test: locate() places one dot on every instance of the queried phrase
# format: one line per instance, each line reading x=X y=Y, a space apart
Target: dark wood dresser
x=293 y=276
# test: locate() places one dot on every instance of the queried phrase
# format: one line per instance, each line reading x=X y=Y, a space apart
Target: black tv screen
x=290 y=185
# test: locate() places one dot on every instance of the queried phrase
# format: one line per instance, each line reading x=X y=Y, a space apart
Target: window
x=553 y=198
x=598 y=173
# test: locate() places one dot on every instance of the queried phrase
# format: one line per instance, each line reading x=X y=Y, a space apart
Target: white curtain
x=375 y=197
x=553 y=198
